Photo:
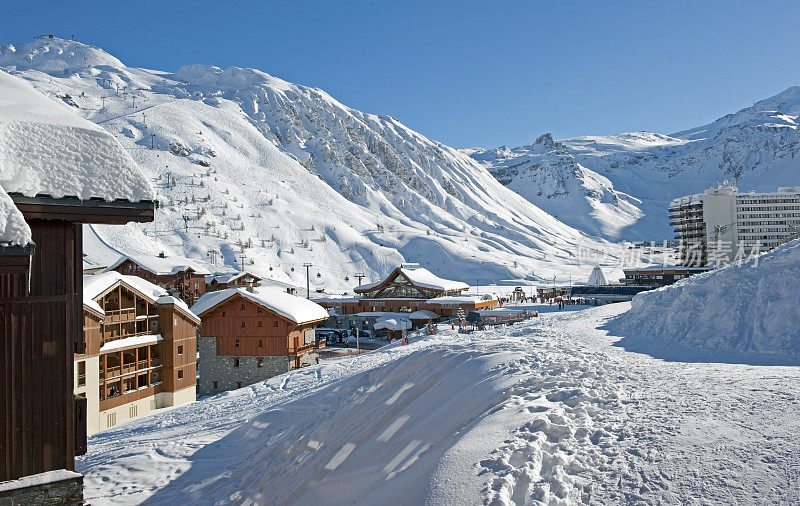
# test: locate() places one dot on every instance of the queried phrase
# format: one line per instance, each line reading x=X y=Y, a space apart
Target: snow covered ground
x=753 y=306
x=548 y=411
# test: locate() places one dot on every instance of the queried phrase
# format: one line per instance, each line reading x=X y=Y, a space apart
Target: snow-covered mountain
x=248 y=164
x=618 y=186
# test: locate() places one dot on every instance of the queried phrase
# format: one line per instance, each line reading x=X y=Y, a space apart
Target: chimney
x=249 y=283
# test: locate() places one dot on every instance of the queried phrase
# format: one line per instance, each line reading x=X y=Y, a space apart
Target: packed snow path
x=549 y=411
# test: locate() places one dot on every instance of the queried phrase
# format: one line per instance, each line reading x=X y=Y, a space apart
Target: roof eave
x=94 y=210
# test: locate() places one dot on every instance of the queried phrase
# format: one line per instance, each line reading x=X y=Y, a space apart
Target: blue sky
x=467 y=73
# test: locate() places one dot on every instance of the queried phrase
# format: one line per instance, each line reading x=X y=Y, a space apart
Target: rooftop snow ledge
x=46 y=149
x=14 y=231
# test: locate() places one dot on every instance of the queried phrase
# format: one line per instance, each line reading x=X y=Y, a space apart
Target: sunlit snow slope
x=619 y=186
x=247 y=164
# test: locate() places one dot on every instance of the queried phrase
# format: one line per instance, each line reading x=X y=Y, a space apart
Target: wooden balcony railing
x=120 y=315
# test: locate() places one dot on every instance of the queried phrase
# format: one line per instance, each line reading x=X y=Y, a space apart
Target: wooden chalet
x=140 y=349
x=251 y=335
x=410 y=288
x=55 y=189
x=182 y=277
x=223 y=280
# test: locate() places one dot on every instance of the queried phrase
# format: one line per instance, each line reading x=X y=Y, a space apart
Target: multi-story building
x=181 y=277
x=140 y=350
x=721 y=225
x=249 y=335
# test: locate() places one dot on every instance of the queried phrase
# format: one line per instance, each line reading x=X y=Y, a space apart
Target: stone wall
x=220 y=369
x=53 y=487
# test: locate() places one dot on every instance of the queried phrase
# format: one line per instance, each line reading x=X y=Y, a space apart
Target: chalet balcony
x=135 y=394
x=120 y=316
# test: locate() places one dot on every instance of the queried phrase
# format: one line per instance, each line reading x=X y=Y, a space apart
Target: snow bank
x=46 y=149
x=746 y=308
x=296 y=309
x=14 y=231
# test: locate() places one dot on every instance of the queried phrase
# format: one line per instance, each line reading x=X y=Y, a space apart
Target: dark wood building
x=41 y=312
x=223 y=280
x=182 y=277
x=406 y=289
x=59 y=171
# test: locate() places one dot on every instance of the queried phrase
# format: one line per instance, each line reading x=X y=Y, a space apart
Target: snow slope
x=749 y=307
x=248 y=164
x=619 y=186
x=545 y=412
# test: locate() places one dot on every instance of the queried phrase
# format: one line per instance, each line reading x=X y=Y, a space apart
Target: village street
x=549 y=410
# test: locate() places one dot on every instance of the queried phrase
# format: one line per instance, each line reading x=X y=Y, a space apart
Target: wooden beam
x=83 y=211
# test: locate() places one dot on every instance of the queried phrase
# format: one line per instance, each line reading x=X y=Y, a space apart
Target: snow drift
x=747 y=307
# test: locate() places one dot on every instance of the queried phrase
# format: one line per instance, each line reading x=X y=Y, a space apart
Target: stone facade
x=220 y=369
x=53 y=487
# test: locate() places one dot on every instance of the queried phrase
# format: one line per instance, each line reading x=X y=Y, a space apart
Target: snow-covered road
x=547 y=411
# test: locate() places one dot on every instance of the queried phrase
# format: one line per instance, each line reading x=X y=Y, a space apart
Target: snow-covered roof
x=393 y=324
x=461 y=299
x=227 y=277
x=291 y=307
x=131 y=341
x=97 y=284
x=14 y=230
x=597 y=278
x=47 y=149
x=423 y=314
x=162 y=265
x=421 y=277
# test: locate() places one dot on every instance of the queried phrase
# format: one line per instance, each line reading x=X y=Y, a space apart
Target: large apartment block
x=721 y=225
x=140 y=350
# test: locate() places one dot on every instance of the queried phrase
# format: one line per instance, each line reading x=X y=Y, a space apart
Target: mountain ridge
x=271 y=175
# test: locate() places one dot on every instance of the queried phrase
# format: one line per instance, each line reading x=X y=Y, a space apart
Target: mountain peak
x=55 y=56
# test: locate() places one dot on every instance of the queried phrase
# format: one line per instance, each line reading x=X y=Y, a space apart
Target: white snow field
x=545 y=412
x=246 y=163
x=753 y=306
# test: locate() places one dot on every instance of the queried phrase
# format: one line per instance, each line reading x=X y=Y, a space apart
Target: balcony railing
x=120 y=315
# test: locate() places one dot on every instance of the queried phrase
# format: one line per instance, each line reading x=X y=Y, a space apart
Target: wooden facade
x=243 y=281
x=244 y=328
x=41 y=330
x=134 y=372
x=188 y=284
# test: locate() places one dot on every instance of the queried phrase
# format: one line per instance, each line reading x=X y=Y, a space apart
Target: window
x=236 y=344
x=216 y=385
x=242 y=307
x=275 y=323
x=180 y=349
x=260 y=343
x=223 y=313
x=180 y=374
x=235 y=362
x=81 y=373
x=259 y=362
x=242 y=324
x=258 y=310
x=259 y=324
